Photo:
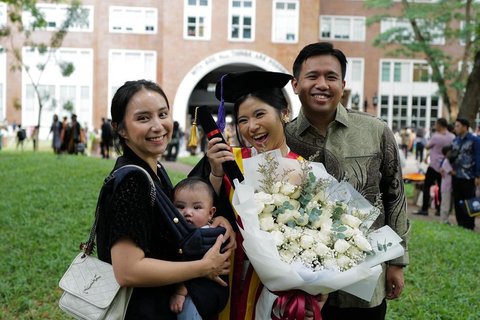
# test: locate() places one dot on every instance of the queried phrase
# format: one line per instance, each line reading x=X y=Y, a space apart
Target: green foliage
x=47 y=209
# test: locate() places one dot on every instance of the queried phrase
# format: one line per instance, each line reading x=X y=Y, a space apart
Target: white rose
x=294 y=203
x=354 y=253
x=362 y=243
x=285 y=217
x=296 y=194
x=308 y=256
x=263 y=197
x=306 y=241
x=341 y=245
x=323 y=236
x=268 y=208
x=286 y=255
x=277 y=237
x=349 y=232
x=279 y=199
x=344 y=262
x=350 y=220
x=321 y=196
x=295 y=248
x=321 y=249
x=266 y=223
x=301 y=220
x=287 y=188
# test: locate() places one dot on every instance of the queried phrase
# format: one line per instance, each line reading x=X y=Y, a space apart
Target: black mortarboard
x=237 y=84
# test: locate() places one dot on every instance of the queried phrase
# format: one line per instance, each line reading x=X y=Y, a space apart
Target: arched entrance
x=208 y=72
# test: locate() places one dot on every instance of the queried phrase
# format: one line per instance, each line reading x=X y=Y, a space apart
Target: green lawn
x=47 y=207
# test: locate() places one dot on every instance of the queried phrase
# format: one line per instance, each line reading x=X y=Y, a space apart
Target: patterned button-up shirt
x=467 y=162
x=362 y=150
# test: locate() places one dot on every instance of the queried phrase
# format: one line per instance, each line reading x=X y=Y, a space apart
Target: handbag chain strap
x=89 y=246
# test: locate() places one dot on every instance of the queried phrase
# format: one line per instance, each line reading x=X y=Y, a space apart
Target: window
x=285 y=21
x=197 y=17
x=56 y=15
x=61 y=95
x=401 y=71
x=3 y=14
x=463 y=31
x=421 y=72
x=386 y=71
x=133 y=20
x=124 y=65
x=242 y=20
x=348 y=28
x=400 y=110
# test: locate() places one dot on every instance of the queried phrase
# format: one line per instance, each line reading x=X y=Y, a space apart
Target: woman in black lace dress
x=130 y=233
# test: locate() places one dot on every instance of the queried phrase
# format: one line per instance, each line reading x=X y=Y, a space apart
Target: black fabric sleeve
x=130 y=213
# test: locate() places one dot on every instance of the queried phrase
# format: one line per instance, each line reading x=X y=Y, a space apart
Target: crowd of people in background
x=452 y=175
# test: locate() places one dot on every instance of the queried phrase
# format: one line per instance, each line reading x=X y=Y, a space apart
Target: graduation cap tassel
x=192 y=141
x=221 y=108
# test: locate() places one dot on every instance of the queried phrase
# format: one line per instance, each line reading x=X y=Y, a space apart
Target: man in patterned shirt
x=354 y=146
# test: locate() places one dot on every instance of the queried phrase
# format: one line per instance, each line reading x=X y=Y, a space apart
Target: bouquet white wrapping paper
x=277 y=275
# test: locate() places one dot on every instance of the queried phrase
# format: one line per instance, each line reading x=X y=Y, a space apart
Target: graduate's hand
x=218 y=263
x=395 y=281
x=218 y=153
x=229 y=236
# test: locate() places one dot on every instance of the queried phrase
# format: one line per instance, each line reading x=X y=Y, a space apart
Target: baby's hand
x=176 y=302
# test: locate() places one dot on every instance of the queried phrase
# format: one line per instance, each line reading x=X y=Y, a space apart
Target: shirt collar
x=341 y=117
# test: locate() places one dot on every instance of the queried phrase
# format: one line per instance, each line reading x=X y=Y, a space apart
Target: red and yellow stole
x=244 y=293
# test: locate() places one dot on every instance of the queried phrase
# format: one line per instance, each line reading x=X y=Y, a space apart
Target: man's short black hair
x=464 y=122
x=318 y=49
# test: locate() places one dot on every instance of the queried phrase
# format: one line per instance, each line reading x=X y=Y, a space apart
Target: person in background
x=34 y=137
x=465 y=161
x=446 y=186
x=356 y=147
x=439 y=139
x=194 y=197
x=419 y=142
x=106 y=138
x=56 y=131
x=174 y=143
x=21 y=136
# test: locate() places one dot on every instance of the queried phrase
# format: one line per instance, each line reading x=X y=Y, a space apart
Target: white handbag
x=91 y=291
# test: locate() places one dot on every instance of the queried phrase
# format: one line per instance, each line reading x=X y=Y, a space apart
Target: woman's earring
x=285 y=118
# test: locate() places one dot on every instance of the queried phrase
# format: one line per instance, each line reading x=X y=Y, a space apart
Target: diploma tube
x=205 y=119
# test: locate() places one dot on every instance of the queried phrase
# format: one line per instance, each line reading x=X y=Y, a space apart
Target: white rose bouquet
x=304 y=230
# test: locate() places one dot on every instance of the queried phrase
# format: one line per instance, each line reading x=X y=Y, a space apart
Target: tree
x=451 y=20
x=25 y=30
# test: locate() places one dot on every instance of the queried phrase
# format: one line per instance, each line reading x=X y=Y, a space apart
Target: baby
x=194 y=198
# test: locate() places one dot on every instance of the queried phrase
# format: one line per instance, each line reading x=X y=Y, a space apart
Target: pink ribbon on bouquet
x=293 y=304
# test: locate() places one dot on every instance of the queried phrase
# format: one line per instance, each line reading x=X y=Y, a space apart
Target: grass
x=47 y=209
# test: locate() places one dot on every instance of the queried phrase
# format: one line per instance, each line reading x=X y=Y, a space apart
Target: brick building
x=186 y=45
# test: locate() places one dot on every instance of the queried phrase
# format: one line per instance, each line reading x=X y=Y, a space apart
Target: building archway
x=237 y=58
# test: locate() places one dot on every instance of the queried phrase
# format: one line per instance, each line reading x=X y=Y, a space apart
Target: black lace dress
x=129 y=213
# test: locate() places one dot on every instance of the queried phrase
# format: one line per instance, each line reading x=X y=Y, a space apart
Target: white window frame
x=242 y=12
x=356 y=86
x=198 y=11
x=56 y=14
x=139 y=70
x=130 y=19
x=278 y=16
x=52 y=80
x=3 y=14
x=325 y=19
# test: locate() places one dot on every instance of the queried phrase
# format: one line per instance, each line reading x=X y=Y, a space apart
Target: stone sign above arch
x=220 y=59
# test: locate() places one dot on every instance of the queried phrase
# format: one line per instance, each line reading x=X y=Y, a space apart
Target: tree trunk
x=471 y=100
